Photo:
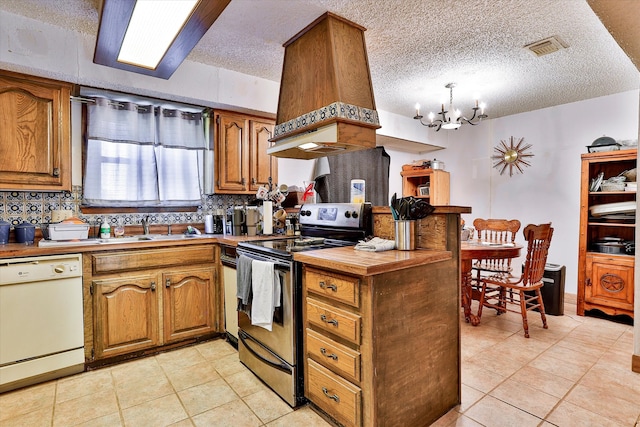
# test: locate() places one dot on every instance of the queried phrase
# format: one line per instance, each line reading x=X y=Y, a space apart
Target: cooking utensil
x=420 y=209
x=437 y=164
x=604 y=143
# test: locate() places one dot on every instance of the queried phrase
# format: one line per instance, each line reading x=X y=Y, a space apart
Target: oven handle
x=261 y=257
x=282 y=366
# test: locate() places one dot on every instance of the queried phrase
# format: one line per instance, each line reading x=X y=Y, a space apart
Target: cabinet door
x=610 y=282
x=232 y=157
x=35 y=145
x=126 y=315
x=261 y=165
x=190 y=303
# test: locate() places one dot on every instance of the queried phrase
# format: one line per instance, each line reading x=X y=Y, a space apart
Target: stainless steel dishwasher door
x=41 y=319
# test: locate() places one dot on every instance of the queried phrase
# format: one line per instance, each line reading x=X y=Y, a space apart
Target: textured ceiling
x=415 y=47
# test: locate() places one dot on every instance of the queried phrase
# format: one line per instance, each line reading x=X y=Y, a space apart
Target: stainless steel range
x=275 y=356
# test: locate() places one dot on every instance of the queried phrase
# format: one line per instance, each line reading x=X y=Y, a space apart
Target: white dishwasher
x=228 y=258
x=41 y=321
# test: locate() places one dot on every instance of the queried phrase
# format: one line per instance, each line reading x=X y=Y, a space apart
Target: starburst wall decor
x=511 y=156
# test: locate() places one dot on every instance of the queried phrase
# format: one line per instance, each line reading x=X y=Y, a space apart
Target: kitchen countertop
x=363 y=263
x=15 y=250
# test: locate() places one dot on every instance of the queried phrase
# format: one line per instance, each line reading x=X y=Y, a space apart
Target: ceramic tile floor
x=576 y=373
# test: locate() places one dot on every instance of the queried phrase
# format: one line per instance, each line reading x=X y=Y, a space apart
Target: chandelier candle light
x=455 y=118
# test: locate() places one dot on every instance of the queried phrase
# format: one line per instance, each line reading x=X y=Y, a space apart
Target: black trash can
x=553 y=289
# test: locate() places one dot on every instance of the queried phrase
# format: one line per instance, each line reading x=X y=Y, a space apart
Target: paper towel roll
x=267 y=217
x=58 y=215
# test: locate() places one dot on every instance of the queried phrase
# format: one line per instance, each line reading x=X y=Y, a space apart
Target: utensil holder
x=405 y=235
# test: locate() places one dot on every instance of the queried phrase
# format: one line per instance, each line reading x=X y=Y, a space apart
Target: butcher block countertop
x=364 y=263
x=15 y=250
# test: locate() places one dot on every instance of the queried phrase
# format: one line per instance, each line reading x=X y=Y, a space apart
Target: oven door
x=280 y=340
x=280 y=376
x=272 y=355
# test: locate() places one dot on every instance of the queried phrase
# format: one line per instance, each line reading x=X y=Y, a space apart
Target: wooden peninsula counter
x=382 y=331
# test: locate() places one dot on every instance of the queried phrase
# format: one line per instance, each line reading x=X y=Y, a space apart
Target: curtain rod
x=206 y=112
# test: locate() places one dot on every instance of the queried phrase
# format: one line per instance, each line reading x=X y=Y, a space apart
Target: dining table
x=477 y=250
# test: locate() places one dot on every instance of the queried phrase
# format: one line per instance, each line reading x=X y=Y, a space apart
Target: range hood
x=326 y=103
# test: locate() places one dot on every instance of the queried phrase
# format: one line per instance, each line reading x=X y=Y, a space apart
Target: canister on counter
x=357 y=190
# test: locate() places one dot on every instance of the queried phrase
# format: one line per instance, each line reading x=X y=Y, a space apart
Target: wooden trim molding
x=114 y=19
x=635 y=363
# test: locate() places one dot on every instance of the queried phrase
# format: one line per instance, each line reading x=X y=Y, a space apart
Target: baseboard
x=635 y=363
x=570 y=298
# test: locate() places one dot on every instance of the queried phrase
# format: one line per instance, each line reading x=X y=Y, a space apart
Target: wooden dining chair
x=494 y=231
x=526 y=287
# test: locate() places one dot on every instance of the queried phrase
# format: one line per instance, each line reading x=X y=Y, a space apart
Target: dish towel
x=265 y=285
x=243 y=275
x=376 y=244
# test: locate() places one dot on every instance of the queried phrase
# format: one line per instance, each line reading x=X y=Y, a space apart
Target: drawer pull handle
x=153 y=286
x=333 y=322
x=334 y=396
x=332 y=286
x=330 y=356
x=167 y=283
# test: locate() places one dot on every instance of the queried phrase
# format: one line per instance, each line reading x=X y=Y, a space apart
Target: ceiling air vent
x=547 y=46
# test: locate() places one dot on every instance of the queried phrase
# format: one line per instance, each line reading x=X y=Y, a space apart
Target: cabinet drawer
x=340 y=288
x=333 y=355
x=339 y=398
x=334 y=320
x=151 y=258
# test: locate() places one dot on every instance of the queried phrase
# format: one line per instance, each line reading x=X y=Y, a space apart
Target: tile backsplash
x=35 y=208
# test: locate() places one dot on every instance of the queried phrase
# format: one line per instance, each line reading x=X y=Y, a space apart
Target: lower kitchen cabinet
x=139 y=300
x=125 y=314
x=609 y=283
x=189 y=301
x=382 y=349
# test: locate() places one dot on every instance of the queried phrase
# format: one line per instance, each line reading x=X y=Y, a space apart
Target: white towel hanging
x=265 y=285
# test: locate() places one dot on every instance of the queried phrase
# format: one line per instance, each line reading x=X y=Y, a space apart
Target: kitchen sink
x=117 y=240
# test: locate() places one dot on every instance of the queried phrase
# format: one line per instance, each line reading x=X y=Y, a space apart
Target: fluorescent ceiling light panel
x=152 y=29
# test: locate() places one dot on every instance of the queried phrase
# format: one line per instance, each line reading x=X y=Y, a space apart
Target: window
x=143 y=154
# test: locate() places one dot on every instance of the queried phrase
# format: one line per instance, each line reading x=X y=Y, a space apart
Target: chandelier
x=455 y=119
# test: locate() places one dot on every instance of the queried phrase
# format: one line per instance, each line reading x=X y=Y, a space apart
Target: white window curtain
x=142 y=155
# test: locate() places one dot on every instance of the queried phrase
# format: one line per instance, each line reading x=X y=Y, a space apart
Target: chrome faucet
x=145 y=224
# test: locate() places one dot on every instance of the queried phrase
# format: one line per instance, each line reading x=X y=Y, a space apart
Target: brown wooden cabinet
x=382 y=349
x=126 y=315
x=143 y=299
x=242 y=162
x=429 y=184
x=605 y=280
x=610 y=282
x=189 y=303
x=35 y=144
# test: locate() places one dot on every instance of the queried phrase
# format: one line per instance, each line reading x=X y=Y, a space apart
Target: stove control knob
x=307 y=213
x=354 y=214
x=347 y=214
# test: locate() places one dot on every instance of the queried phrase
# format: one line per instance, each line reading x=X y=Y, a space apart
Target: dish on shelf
x=613 y=208
x=612 y=186
x=604 y=143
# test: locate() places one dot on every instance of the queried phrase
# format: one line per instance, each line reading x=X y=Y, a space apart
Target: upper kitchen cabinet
x=35 y=143
x=429 y=184
x=242 y=162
